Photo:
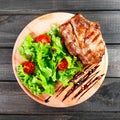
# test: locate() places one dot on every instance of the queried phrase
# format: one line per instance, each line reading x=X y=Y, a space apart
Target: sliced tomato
x=28 y=67
x=63 y=64
x=43 y=38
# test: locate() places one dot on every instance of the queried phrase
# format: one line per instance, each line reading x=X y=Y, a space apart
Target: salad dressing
x=85 y=81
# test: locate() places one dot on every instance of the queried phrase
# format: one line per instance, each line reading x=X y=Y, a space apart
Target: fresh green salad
x=47 y=62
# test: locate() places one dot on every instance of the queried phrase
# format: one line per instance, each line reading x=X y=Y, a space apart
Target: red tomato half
x=43 y=39
x=28 y=67
x=63 y=64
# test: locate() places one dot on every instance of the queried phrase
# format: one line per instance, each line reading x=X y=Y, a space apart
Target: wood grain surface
x=14 y=101
x=73 y=116
x=9 y=29
x=37 y=6
x=15 y=104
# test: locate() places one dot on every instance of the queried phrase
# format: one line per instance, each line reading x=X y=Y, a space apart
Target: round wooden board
x=41 y=25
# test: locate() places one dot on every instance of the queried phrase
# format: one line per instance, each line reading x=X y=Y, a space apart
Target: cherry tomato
x=43 y=39
x=28 y=67
x=63 y=64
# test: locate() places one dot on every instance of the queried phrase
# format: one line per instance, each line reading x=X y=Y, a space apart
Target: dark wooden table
x=15 y=104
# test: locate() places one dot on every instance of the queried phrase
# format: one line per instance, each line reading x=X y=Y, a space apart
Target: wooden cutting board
x=64 y=96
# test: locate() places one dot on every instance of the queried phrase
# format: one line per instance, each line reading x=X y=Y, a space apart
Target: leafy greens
x=46 y=58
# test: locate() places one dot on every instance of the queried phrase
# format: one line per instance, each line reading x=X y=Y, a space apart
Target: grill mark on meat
x=76 y=42
x=79 y=24
x=92 y=33
x=87 y=35
x=97 y=26
x=100 y=42
x=96 y=37
x=89 y=51
x=70 y=39
x=73 y=30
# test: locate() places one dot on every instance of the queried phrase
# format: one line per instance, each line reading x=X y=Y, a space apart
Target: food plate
x=93 y=75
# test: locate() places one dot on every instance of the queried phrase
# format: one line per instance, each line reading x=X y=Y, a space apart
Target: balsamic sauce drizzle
x=77 y=76
x=80 y=80
x=85 y=87
x=47 y=100
x=92 y=84
x=81 y=77
x=79 y=83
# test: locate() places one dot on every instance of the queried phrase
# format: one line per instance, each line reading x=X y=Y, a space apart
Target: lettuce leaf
x=26 y=49
x=46 y=58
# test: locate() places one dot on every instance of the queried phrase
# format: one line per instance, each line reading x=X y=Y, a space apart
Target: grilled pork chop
x=83 y=39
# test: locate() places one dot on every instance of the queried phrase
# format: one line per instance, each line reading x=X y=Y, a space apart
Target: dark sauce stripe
x=81 y=81
x=61 y=90
x=58 y=88
x=75 y=86
x=86 y=67
x=91 y=83
x=85 y=86
x=47 y=100
x=78 y=75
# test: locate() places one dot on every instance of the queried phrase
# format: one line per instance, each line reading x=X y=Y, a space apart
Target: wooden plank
x=113 y=61
x=6 y=72
x=31 y=7
x=6 y=55
x=70 y=116
x=11 y=26
x=14 y=101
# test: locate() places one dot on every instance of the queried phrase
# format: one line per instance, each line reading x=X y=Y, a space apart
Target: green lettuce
x=46 y=58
